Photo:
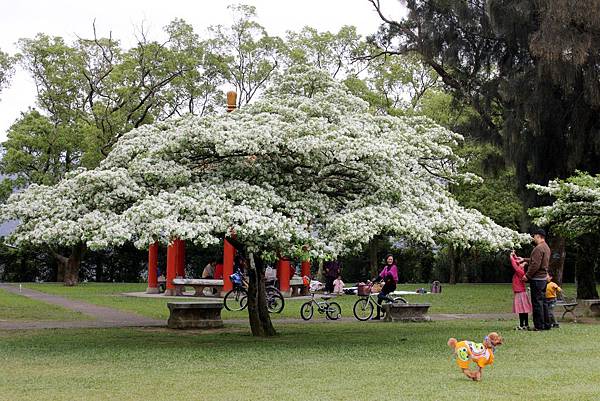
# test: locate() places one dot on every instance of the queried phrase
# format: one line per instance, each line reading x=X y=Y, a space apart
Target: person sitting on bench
x=209 y=269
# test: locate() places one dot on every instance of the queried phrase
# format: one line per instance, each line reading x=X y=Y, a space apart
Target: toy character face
x=462 y=354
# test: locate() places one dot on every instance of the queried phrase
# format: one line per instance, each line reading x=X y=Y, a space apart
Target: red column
x=171 y=268
x=180 y=258
x=152 y=269
x=283 y=273
x=228 y=255
x=305 y=268
x=305 y=271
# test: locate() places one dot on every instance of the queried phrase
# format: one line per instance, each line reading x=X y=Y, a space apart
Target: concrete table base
x=194 y=315
x=397 y=312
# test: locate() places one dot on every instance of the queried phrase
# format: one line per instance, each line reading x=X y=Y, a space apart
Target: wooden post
x=152 y=269
x=231 y=101
x=171 y=268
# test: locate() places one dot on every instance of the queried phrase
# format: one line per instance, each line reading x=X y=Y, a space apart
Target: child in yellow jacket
x=552 y=290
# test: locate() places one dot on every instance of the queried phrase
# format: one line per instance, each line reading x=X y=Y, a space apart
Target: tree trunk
x=557 y=259
x=464 y=266
x=587 y=256
x=60 y=268
x=258 y=314
x=373 y=260
x=452 y=258
x=70 y=266
x=320 y=276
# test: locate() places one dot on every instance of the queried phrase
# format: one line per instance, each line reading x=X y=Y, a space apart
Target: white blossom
x=307 y=166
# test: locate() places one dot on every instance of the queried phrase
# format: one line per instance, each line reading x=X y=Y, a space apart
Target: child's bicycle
x=237 y=298
x=332 y=310
x=363 y=307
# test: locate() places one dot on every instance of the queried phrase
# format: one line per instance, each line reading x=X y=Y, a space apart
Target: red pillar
x=228 y=249
x=228 y=255
x=180 y=258
x=305 y=268
x=283 y=274
x=171 y=268
x=152 y=269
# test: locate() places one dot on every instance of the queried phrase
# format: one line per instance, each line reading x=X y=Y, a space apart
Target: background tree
x=250 y=56
x=6 y=69
x=575 y=214
x=528 y=68
x=337 y=53
x=92 y=91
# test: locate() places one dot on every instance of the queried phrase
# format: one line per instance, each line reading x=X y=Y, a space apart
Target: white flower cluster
x=576 y=209
x=307 y=166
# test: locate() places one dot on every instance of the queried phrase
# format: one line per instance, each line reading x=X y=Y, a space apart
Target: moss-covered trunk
x=68 y=267
x=258 y=314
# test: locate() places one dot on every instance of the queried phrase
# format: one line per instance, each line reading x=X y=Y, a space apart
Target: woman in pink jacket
x=389 y=276
x=521 y=303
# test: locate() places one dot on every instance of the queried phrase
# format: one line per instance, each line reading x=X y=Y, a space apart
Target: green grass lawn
x=331 y=361
x=16 y=307
x=459 y=298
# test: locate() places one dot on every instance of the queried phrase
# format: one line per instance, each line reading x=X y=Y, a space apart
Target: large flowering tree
x=575 y=213
x=307 y=170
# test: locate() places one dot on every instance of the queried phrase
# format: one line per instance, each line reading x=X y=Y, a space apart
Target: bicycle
x=332 y=310
x=364 y=306
x=237 y=298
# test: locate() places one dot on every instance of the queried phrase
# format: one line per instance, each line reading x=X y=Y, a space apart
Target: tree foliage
x=529 y=68
x=575 y=213
x=6 y=69
x=250 y=55
x=576 y=207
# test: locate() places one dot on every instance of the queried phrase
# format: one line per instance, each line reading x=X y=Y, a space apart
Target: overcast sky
x=69 y=19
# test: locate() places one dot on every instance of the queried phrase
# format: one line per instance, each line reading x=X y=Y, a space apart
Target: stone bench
x=400 y=312
x=593 y=306
x=568 y=307
x=195 y=315
x=297 y=287
x=199 y=284
x=589 y=307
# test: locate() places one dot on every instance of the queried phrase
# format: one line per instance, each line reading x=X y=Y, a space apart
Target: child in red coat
x=521 y=303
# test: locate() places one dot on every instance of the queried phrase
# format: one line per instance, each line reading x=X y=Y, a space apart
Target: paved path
x=108 y=317
x=103 y=316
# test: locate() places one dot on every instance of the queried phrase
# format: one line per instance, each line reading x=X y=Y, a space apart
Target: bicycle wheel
x=399 y=300
x=334 y=311
x=243 y=302
x=306 y=310
x=236 y=299
x=275 y=301
x=363 y=309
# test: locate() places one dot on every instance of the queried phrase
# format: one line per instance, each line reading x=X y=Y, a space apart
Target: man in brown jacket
x=536 y=275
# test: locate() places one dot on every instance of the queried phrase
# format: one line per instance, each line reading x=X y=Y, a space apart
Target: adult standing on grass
x=332 y=271
x=389 y=276
x=536 y=276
